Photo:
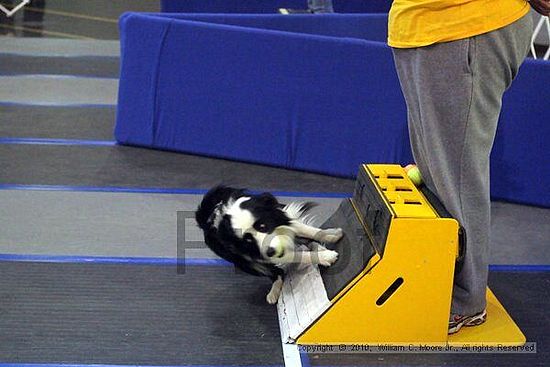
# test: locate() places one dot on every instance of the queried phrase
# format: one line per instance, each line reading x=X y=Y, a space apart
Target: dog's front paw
x=327 y=257
x=331 y=235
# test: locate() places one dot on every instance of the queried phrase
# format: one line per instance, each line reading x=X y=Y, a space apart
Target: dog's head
x=251 y=225
x=259 y=220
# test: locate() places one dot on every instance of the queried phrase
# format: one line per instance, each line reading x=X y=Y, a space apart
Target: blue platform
x=315 y=93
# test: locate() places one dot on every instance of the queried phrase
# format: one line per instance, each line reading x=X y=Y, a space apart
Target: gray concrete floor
x=58 y=90
x=145 y=225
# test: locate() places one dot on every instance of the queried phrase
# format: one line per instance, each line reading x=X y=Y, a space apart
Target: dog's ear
x=225 y=229
x=268 y=199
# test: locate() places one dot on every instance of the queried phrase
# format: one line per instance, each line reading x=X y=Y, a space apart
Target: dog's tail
x=300 y=210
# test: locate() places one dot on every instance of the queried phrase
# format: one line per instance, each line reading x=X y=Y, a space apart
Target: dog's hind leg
x=273 y=295
x=330 y=235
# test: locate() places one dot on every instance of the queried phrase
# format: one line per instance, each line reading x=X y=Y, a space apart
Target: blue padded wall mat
x=287 y=99
x=268 y=89
x=520 y=161
x=372 y=27
x=268 y=6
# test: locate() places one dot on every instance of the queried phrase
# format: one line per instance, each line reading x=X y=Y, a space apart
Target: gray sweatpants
x=454 y=94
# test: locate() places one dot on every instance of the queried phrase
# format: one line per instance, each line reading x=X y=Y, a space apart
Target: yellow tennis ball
x=280 y=241
x=414 y=175
x=276 y=249
x=279 y=249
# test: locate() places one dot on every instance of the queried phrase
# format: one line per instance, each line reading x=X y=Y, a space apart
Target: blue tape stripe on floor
x=159 y=190
x=198 y=261
x=113 y=260
x=136 y=190
x=109 y=365
x=520 y=268
x=304 y=359
x=45 y=141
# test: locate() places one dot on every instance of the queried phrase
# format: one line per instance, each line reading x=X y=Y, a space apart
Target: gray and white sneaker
x=458 y=321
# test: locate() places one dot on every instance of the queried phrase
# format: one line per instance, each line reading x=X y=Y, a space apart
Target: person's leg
x=320 y=6
x=453 y=92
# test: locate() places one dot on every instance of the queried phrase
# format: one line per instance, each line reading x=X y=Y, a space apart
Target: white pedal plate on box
x=303 y=299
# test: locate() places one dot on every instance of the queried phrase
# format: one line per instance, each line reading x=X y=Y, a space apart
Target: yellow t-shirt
x=416 y=23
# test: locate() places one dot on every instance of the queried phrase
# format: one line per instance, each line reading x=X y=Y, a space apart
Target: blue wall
x=315 y=93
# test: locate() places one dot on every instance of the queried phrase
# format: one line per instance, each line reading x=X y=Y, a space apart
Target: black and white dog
x=257 y=233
